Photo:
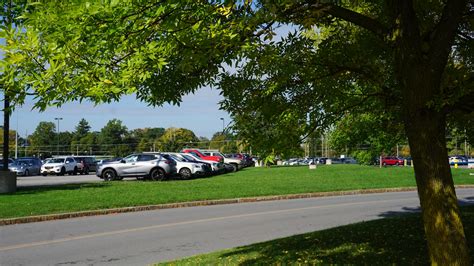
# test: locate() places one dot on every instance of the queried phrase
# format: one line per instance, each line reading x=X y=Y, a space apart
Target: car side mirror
x=122 y=161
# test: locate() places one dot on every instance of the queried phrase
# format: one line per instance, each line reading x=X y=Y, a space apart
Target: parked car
x=85 y=164
x=349 y=160
x=459 y=160
x=201 y=155
x=26 y=166
x=59 y=166
x=188 y=169
x=217 y=167
x=391 y=160
x=140 y=165
x=236 y=163
x=10 y=161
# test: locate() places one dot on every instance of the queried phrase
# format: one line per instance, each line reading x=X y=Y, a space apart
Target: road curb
x=50 y=217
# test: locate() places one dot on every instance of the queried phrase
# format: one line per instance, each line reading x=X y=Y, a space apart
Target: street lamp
x=57 y=147
x=223 y=125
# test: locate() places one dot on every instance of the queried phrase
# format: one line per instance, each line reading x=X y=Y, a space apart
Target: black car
x=86 y=164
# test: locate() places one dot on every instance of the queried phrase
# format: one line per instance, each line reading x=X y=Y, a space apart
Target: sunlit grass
x=249 y=182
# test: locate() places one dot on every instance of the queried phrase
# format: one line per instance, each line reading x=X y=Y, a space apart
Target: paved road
x=146 y=237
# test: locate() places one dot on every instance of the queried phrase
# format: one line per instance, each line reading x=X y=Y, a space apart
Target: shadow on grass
x=60 y=187
x=398 y=240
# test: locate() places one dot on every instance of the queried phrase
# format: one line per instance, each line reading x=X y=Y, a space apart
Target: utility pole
x=57 y=147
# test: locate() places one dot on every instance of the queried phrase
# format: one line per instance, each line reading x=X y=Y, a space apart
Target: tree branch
x=445 y=32
x=358 y=19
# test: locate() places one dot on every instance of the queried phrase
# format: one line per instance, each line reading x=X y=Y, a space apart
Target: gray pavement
x=142 y=238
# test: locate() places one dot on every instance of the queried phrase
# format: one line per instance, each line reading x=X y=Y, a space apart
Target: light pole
x=57 y=147
x=223 y=125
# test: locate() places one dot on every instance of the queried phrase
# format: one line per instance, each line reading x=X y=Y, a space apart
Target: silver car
x=140 y=165
x=26 y=166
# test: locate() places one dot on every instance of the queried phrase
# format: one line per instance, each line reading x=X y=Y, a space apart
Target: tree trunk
x=6 y=132
x=441 y=216
x=425 y=125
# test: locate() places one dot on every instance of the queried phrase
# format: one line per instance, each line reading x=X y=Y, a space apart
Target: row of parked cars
x=25 y=166
x=159 y=166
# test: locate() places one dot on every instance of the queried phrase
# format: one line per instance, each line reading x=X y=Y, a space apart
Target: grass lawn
x=246 y=183
x=398 y=241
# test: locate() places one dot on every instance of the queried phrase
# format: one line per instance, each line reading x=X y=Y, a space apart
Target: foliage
x=82 y=129
x=44 y=136
x=175 y=139
x=378 y=134
x=112 y=138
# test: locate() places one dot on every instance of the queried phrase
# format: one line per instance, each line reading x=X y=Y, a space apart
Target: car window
x=145 y=157
x=131 y=158
x=69 y=160
x=56 y=160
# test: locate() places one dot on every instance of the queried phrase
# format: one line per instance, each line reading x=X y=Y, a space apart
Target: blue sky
x=198 y=112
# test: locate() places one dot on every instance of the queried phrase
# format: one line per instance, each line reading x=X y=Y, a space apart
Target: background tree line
x=115 y=139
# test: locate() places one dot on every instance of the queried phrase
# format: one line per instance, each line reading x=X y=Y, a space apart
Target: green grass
x=398 y=241
x=246 y=183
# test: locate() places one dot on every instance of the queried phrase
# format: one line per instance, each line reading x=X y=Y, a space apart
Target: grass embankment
x=398 y=240
x=246 y=183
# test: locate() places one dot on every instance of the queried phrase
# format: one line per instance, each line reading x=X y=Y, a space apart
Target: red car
x=391 y=161
x=204 y=157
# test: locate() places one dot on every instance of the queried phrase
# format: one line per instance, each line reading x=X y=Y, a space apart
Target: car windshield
x=176 y=158
x=56 y=160
x=21 y=162
x=188 y=158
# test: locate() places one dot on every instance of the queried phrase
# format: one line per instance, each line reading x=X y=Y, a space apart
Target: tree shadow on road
x=395 y=240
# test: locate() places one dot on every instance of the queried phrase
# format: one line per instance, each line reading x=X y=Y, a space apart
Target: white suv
x=59 y=166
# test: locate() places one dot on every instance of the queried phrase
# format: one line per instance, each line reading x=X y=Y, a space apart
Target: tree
x=112 y=138
x=9 y=14
x=82 y=129
x=376 y=134
x=413 y=57
x=175 y=139
x=43 y=139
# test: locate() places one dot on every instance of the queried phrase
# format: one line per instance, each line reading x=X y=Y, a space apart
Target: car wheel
x=109 y=175
x=157 y=174
x=74 y=172
x=234 y=167
x=397 y=164
x=63 y=171
x=185 y=173
x=384 y=164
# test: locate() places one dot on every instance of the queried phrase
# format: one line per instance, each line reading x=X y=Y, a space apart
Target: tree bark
x=441 y=216
x=6 y=132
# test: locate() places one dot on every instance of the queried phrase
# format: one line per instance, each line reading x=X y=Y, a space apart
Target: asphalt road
x=142 y=238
